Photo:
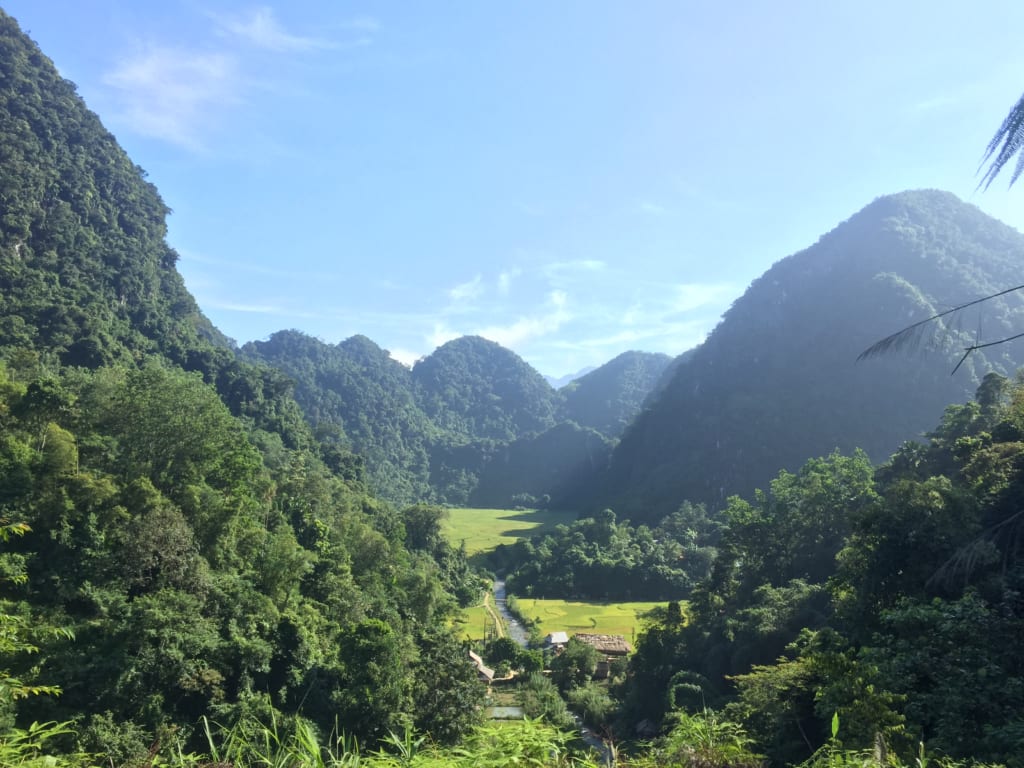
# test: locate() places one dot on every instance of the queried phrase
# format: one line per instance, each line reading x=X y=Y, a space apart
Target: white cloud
x=467 y=291
x=505 y=280
x=406 y=357
x=938 y=102
x=261 y=29
x=362 y=23
x=176 y=93
x=251 y=267
x=442 y=334
x=261 y=309
x=563 y=269
x=527 y=328
x=170 y=93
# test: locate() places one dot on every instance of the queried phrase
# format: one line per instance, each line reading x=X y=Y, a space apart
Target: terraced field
x=579 y=616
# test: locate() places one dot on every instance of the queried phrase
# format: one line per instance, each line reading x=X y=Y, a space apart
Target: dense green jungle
x=223 y=556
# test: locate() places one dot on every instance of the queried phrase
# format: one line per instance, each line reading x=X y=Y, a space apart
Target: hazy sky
x=569 y=179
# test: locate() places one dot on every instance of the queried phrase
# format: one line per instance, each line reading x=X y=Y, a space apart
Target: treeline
x=891 y=597
x=206 y=569
x=599 y=558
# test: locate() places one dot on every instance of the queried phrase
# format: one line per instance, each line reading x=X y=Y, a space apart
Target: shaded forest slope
x=778 y=380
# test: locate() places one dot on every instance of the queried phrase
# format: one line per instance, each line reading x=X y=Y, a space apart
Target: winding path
x=499 y=624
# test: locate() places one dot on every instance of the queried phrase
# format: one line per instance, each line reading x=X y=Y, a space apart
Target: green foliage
x=574 y=666
x=594 y=704
x=703 y=740
x=540 y=698
x=892 y=601
x=194 y=574
x=39 y=746
x=602 y=559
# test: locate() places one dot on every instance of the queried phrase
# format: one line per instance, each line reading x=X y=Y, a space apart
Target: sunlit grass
x=485 y=529
x=471 y=622
x=578 y=616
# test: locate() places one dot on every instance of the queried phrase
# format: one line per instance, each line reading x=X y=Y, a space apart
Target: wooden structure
x=609 y=646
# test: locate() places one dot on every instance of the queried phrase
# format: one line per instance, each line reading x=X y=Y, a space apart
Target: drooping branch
x=973 y=347
x=912 y=333
x=1007 y=142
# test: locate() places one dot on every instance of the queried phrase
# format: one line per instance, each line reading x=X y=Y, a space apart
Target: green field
x=471 y=623
x=484 y=529
x=575 y=616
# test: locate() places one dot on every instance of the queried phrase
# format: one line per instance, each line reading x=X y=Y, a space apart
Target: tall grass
x=697 y=741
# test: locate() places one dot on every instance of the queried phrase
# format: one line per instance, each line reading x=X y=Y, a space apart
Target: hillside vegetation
x=472 y=423
x=778 y=382
x=194 y=570
x=188 y=546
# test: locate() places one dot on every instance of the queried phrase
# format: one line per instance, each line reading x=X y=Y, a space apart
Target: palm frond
x=1005 y=538
x=912 y=335
x=1007 y=142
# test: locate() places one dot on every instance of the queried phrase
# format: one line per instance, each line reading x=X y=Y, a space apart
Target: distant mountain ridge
x=557 y=382
x=777 y=381
x=471 y=422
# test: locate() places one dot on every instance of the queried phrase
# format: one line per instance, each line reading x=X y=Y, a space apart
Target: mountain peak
x=777 y=381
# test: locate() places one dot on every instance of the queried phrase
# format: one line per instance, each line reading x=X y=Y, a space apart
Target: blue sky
x=569 y=179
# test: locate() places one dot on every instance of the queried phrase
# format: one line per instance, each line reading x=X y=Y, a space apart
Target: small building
x=556 y=640
x=609 y=646
x=485 y=673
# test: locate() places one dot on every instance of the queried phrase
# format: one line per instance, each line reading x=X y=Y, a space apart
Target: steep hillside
x=778 y=381
x=355 y=391
x=86 y=276
x=84 y=268
x=527 y=470
x=178 y=543
x=475 y=388
x=608 y=398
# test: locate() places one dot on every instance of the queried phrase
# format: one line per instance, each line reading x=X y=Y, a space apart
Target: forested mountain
x=355 y=392
x=85 y=272
x=778 y=380
x=470 y=423
x=608 y=398
x=174 y=538
x=475 y=388
x=86 y=276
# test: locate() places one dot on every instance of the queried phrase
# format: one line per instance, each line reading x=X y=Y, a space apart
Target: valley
x=762 y=551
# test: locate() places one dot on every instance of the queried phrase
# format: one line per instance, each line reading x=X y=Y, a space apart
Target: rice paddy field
x=484 y=529
x=578 y=616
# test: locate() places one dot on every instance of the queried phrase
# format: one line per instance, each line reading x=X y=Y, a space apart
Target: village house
x=609 y=646
x=556 y=640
